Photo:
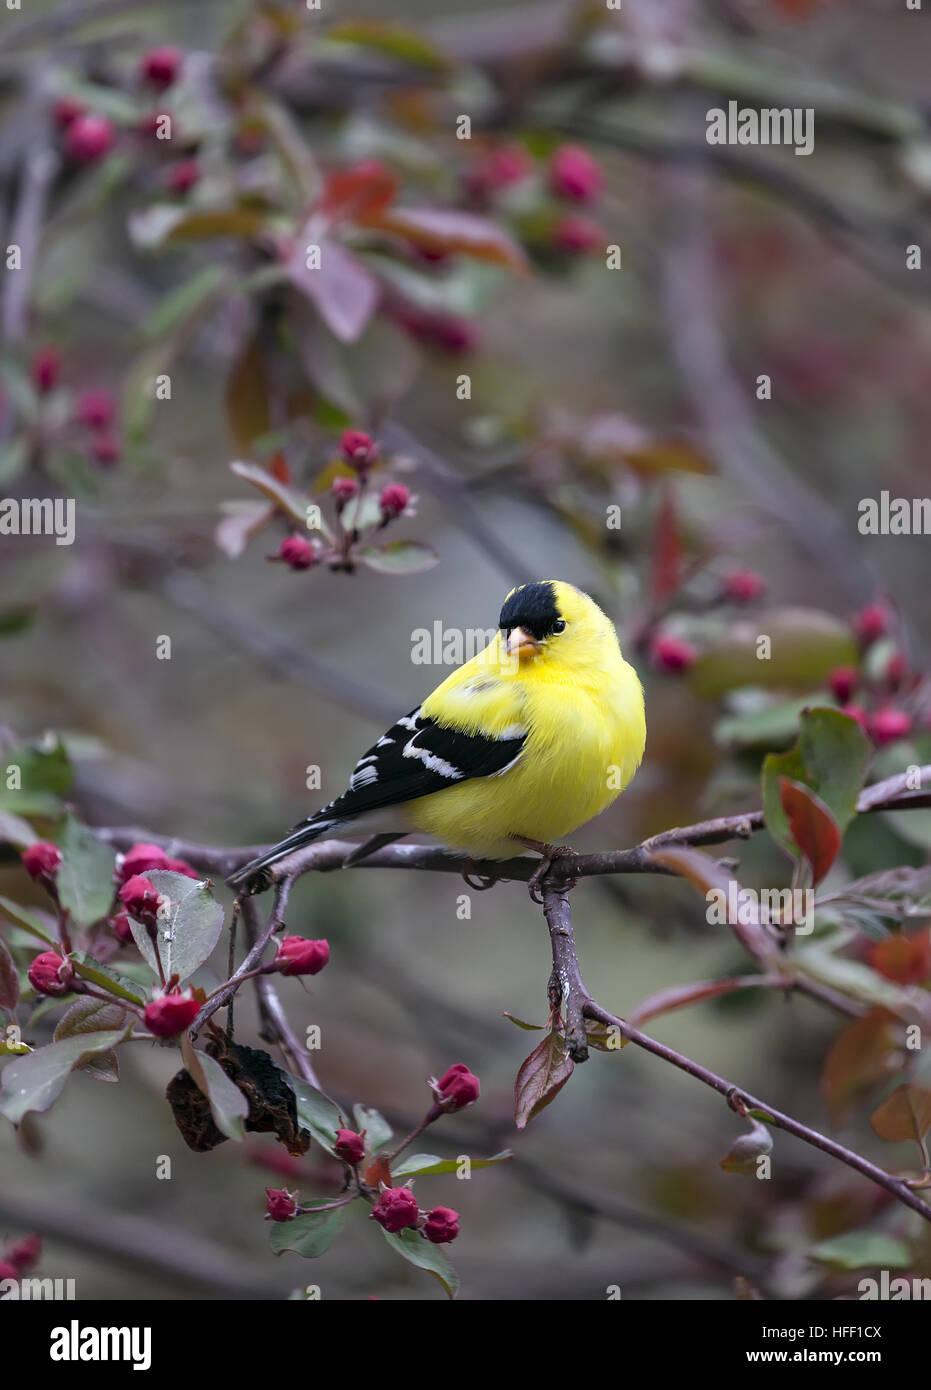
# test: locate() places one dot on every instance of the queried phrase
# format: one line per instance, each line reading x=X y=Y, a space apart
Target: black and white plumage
x=416 y=757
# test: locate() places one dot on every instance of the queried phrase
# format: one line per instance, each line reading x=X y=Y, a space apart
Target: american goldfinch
x=521 y=745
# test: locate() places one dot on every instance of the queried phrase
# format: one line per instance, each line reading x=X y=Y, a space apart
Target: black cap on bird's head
x=530 y=615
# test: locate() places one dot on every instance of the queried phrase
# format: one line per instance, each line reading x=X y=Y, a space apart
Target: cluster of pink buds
x=881 y=680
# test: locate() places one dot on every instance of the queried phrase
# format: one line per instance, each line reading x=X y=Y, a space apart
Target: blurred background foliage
x=590 y=388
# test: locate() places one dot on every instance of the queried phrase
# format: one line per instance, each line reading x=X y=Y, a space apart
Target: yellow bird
x=521 y=745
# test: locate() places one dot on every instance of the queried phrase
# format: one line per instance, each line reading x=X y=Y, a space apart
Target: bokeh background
x=589 y=388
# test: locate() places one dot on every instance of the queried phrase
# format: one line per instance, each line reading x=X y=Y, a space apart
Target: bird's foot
x=478 y=885
x=550 y=853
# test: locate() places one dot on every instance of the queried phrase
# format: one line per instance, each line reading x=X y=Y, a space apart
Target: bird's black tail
x=254 y=876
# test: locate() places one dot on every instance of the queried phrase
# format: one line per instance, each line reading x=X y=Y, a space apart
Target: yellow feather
x=582 y=705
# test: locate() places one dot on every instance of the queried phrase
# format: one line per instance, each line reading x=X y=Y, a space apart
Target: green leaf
x=228 y=1105
x=34 y=777
x=378 y=1130
x=91 y=1016
x=35 y=1082
x=287 y=501
x=831 y=757
x=742 y=1156
x=806 y=646
x=414 y=1248
x=520 y=1023
x=394 y=40
x=104 y=978
x=187 y=931
x=541 y=1077
x=419 y=1165
x=862 y=1250
x=153 y=226
x=399 y=557
x=182 y=303
x=316 y=1113
x=769 y=727
x=85 y=878
x=9 y=979
x=310 y=1233
x=27 y=920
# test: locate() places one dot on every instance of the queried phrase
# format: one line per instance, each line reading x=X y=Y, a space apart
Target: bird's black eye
x=559 y=625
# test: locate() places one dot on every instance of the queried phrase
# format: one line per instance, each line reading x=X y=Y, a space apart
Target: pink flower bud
x=139 y=860
x=51 y=974
x=458 y=1087
x=742 y=586
x=349 y=1146
x=843 y=681
x=297 y=955
x=871 y=623
x=160 y=67
x=297 y=553
x=344 y=490
x=578 y=235
x=280 y=1204
x=8 y=1270
x=182 y=177
x=41 y=861
x=25 y=1254
x=396 y=1209
x=394 y=498
x=441 y=1225
x=88 y=138
x=95 y=410
x=167 y=1015
x=889 y=725
x=672 y=653
x=45 y=369
x=139 y=897
x=574 y=174
x=358 y=448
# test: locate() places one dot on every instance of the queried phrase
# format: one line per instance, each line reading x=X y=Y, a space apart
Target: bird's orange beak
x=521 y=644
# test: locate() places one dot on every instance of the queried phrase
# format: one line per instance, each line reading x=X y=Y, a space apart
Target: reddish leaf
x=378 y=1171
x=678 y=996
x=541 y=1078
x=357 y=194
x=812 y=826
x=707 y=875
x=863 y=1053
x=905 y=959
x=247 y=396
x=345 y=294
x=451 y=231
x=667 y=550
x=905 y=1115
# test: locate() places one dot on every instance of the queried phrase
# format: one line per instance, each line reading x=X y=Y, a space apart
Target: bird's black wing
x=418 y=756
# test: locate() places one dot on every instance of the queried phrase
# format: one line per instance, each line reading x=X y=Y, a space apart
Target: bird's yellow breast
x=585 y=740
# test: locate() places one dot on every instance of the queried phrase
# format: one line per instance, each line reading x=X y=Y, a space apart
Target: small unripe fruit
x=441 y=1225
x=672 y=653
x=393 y=499
x=574 y=174
x=349 y=1145
x=280 y=1204
x=160 y=67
